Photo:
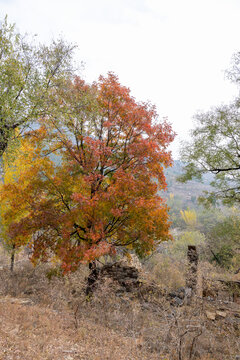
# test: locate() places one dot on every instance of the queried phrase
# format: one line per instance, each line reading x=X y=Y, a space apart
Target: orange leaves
x=90 y=175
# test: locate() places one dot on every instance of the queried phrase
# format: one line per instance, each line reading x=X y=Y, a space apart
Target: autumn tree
x=28 y=73
x=215 y=147
x=90 y=177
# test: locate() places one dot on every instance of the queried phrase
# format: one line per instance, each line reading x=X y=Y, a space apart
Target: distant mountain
x=189 y=191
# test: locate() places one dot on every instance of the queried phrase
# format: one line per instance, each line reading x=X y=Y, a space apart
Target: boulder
x=211 y=315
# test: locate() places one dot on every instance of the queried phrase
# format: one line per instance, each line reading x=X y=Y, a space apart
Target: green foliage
x=29 y=74
x=179 y=247
x=54 y=272
x=203 y=218
x=215 y=148
x=215 y=232
x=224 y=241
x=175 y=205
x=209 y=217
x=224 y=256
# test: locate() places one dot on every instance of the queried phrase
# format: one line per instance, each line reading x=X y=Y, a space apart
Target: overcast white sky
x=171 y=52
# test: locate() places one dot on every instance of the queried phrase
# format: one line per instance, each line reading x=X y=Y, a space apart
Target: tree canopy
x=90 y=176
x=215 y=147
x=28 y=74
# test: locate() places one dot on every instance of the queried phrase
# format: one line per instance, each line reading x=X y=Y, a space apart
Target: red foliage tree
x=100 y=189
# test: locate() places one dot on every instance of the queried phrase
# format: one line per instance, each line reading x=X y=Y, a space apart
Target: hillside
x=187 y=192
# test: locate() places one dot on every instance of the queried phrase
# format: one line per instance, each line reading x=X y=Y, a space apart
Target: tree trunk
x=92 y=278
x=12 y=259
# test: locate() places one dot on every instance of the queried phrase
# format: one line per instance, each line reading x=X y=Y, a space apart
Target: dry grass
x=166 y=271
x=42 y=319
x=35 y=332
x=175 y=333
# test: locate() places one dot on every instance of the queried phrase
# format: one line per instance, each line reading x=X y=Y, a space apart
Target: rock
x=18 y=301
x=172 y=294
x=210 y=315
x=181 y=292
x=188 y=292
x=221 y=314
x=177 y=301
x=23 y=302
x=146 y=306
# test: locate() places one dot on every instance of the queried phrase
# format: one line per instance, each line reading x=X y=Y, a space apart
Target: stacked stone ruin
x=126 y=276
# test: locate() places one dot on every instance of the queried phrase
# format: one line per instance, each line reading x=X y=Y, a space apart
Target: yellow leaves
x=20 y=186
x=189 y=217
x=22 y=160
x=107 y=180
x=55 y=260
